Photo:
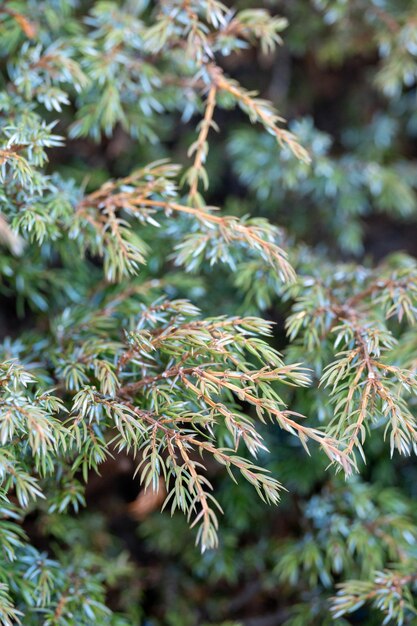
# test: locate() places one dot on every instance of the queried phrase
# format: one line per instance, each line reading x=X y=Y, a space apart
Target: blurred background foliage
x=345 y=79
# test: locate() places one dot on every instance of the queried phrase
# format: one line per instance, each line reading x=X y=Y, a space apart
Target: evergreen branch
x=389 y=592
x=261 y=111
x=258 y=235
x=200 y=148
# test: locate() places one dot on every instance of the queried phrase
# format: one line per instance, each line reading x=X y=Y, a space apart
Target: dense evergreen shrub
x=208 y=359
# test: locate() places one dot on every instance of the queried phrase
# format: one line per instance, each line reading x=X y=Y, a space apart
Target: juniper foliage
x=128 y=346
